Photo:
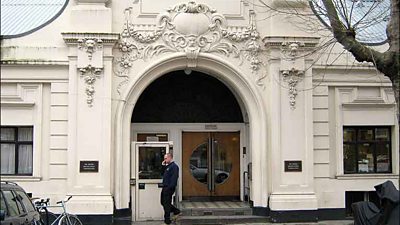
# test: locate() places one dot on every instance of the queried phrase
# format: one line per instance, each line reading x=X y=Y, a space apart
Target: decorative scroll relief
x=190 y=28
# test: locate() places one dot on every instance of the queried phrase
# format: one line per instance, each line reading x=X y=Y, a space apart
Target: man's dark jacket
x=170 y=176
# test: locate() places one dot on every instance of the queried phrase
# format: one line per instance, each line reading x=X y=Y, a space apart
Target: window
x=367 y=150
x=149 y=162
x=13 y=209
x=3 y=205
x=25 y=201
x=16 y=150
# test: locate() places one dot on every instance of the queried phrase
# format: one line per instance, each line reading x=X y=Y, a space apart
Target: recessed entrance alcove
x=180 y=98
x=214 y=102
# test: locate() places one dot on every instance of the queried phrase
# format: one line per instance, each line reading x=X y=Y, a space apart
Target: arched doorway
x=204 y=121
x=242 y=87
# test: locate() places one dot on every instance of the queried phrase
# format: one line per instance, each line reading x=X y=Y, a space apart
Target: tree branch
x=386 y=62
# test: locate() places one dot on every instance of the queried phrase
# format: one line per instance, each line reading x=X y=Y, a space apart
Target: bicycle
x=49 y=218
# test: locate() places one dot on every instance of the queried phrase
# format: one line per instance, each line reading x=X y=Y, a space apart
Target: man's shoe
x=176 y=216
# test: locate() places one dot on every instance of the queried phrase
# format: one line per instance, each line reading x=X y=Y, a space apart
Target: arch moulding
x=242 y=87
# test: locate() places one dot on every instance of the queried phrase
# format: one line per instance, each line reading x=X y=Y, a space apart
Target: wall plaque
x=293 y=166
x=89 y=166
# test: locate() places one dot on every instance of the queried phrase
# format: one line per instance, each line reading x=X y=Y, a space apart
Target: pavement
x=327 y=222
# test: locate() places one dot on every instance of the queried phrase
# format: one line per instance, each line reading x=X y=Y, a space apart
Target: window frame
x=374 y=144
x=17 y=144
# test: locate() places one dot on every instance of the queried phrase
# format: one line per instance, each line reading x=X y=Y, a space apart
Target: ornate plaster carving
x=90 y=46
x=292 y=68
x=293 y=53
x=292 y=77
x=90 y=74
x=207 y=32
x=90 y=56
x=291 y=50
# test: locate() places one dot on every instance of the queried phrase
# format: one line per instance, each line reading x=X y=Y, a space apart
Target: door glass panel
x=150 y=159
x=222 y=163
x=199 y=163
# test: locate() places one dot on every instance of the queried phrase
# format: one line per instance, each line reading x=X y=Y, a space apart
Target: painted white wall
x=41 y=86
x=361 y=98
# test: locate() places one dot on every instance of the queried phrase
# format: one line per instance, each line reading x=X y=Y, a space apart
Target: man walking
x=170 y=179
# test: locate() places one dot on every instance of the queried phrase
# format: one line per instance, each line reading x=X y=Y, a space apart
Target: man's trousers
x=166 y=202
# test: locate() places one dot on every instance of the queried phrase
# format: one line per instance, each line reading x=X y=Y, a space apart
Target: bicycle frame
x=60 y=204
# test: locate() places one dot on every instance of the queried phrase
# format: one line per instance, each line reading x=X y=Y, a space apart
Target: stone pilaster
x=291 y=127
x=89 y=120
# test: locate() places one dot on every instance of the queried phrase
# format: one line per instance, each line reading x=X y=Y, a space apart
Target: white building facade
x=299 y=135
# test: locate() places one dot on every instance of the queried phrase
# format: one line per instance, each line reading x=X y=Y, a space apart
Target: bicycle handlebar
x=42 y=202
x=59 y=202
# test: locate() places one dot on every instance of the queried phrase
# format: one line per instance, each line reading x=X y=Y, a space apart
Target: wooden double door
x=211 y=165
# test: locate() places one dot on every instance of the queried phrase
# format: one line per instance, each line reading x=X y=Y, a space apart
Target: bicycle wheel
x=47 y=218
x=69 y=219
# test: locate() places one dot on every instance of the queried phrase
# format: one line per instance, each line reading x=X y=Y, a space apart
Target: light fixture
x=187 y=71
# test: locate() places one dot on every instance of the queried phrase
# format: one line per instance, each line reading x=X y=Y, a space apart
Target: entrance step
x=217 y=208
x=218 y=212
x=219 y=220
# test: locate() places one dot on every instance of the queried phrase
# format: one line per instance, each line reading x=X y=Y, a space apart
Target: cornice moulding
x=368 y=105
x=75 y=37
x=345 y=67
x=38 y=62
x=93 y=1
x=290 y=4
x=17 y=104
x=278 y=41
